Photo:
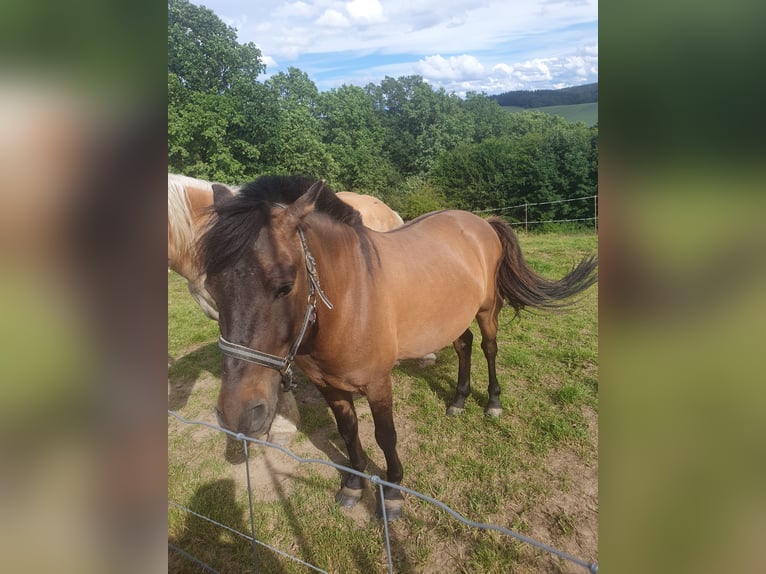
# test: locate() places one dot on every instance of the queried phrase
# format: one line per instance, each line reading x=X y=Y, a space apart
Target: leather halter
x=284 y=364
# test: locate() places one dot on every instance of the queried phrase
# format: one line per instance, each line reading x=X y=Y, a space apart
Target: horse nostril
x=257 y=415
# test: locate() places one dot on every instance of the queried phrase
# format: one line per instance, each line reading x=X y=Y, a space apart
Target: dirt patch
x=567 y=517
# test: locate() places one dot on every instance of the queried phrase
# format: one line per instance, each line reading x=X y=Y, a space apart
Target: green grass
x=586 y=113
x=527 y=470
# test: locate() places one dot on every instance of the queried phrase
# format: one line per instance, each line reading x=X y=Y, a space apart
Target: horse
x=375 y=214
x=189 y=202
x=298 y=278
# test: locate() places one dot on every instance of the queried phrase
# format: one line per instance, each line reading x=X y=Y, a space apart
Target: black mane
x=240 y=218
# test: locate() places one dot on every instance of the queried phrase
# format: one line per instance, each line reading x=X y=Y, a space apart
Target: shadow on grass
x=213 y=545
x=185 y=371
x=441 y=377
x=305 y=532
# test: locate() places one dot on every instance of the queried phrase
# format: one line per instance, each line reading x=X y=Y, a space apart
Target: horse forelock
x=240 y=218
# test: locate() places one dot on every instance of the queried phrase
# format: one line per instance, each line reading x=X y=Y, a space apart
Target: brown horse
x=281 y=243
x=189 y=200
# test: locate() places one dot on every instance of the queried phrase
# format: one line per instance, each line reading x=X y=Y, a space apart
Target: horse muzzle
x=254 y=419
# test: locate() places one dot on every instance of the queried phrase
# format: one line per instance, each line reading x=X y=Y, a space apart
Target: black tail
x=521 y=287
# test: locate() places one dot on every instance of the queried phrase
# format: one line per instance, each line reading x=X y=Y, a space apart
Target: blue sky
x=490 y=46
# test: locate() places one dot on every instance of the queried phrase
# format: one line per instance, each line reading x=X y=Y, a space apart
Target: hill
x=585 y=113
x=584 y=94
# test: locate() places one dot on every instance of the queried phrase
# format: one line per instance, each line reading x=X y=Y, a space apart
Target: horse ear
x=305 y=203
x=221 y=193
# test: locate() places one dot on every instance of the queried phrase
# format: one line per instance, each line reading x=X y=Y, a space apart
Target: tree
x=201 y=140
x=543 y=160
x=489 y=119
x=218 y=114
x=298 y=146
x=203 y=51
x=420 y=123
x=354 y=137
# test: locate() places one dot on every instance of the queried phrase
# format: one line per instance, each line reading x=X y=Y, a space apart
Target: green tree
x=489 y=119
x=543 y=160
x=218 y=114
x=354 y=138
x=298 y=147
x=420 y=123
x=202 y=141
x=204 y=53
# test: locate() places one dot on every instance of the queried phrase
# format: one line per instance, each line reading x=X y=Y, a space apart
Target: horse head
x=255 y=262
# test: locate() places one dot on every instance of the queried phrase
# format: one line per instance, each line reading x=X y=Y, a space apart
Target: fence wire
x=526 y=207
x=373 y=479
x=534 y=204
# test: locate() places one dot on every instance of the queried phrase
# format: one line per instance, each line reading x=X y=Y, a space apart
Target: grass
x=585 y=113
x=532 y=470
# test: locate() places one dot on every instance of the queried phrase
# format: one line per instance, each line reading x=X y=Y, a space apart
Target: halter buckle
x=288 y=384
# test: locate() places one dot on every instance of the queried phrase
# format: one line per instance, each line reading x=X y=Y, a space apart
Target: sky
x=490 y=46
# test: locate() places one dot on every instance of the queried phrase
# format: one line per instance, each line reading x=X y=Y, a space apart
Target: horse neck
x=338 y=253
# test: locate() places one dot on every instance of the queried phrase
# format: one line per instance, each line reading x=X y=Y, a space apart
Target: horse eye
x=283 y=290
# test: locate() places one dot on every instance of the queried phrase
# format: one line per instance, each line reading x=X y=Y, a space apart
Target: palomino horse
x=189 y=200
x=375 y=214
x=282 y=243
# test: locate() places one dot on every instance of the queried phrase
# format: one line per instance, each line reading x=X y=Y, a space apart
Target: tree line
x=584 y=94
x=417 y=148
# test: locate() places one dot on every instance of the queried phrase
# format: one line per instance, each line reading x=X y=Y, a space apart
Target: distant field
x=586 y=113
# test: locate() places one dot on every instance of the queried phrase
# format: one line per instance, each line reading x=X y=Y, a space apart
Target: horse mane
x=240 y=218
x=179 y=212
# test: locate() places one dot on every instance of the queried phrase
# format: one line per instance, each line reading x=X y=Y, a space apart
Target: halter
x=284 y=364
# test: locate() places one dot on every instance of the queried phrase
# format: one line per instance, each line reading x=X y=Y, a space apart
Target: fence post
x=595 y=213
x=526 y=229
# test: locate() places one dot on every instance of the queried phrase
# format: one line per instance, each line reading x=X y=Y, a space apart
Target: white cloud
x=297 y=10
x=460 y=45
x=270 y=62
x=453 y=68
x=333 y=19
x=365 y=11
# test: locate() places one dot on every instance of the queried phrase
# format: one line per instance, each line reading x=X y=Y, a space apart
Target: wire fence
x=526 y=223
x=374 y=480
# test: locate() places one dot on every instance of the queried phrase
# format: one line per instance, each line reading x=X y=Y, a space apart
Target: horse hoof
x=393 y=509
x=494 y=412
x=455 y=411
x=348 y=497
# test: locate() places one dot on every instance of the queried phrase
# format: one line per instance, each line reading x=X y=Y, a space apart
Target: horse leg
x=488 y=324
x=463 y=346
x=342 y=405
x=379 y=397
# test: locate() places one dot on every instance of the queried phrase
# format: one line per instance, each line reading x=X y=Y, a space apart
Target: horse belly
x=431 y=340
x=440 y=272
x=429 y=328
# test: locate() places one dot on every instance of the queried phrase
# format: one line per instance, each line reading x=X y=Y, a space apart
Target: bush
x=414 y=196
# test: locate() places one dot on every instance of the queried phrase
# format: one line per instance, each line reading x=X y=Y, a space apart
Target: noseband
x=284 y=364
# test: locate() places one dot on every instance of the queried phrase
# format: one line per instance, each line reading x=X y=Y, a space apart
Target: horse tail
x=521 y=287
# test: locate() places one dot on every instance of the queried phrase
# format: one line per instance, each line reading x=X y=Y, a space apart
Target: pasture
x=534 y=470
x=585 y=113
